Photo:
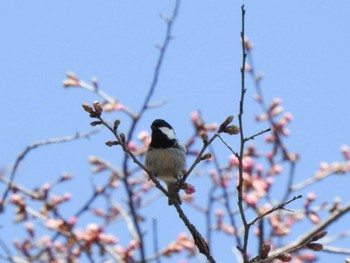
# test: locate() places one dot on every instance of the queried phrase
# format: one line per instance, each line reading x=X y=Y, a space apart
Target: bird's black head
x=163 y=135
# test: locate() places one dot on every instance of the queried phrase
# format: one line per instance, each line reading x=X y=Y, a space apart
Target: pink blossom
x=275 y=102
x=233 y=160
x=288 y=116
x=248 y=162
x=261 y=117
x=275 y=169
x=314 y=218
x=276 y=110
x=251 y=198
x=132 y=146
x=54 y=223
x=195 y=116
x=108 y=238
x=143 y=135
x=311 y=196
x=73 y=220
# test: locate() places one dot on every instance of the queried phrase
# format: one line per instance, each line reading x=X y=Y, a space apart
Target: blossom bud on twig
x=122 y=137
x=232 y=130
x=319 y=235
x=248 y=45
x=223 y=125
x=315 y=246
x=116 y=124
x=111 y=143
x=72 y=76
x=206 y=156
x=72 y=80
x=87 y=108
x=97 y=107
x=265 y=250
x=189 y=189
x=284 y=257
x=95 y=123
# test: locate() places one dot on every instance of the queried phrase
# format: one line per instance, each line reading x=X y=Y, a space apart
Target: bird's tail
x=173 y=191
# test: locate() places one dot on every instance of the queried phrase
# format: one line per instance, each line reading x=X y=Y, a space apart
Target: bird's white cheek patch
x=168 y=132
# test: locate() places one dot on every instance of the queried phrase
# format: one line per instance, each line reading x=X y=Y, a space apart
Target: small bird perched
x=166 y=157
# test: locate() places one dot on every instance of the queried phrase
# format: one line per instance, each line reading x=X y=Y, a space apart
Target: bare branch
x=35 y=145
x=300 y=242
x=275 y=208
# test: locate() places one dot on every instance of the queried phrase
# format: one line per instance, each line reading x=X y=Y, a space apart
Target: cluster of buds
x=229 y=129
x=110 y=215
x=281 y=225
x=20 y=204
x=100 y=165
x=255 y=184
x=95 y=111
x=112 y=105
x=183 y=242
x=71 y=81
x=60 y=224
x=94 y=233
x=311 y=215
x=128 y=253
x=280 y=127
x=145 y=139
x=316 y=246
x=200 y=126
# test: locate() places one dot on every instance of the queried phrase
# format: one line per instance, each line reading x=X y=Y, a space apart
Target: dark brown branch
x=241 y=151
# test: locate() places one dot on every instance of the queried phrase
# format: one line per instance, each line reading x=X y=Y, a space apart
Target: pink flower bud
x=247 y=44
x=97 y=107
x=190 y=189
x=73 y=220
x=314 y=218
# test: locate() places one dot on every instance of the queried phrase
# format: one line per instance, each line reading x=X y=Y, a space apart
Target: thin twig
x=241 y=151
x=106 y=97
x=35 y=145
x=199 y=157
x=135 y=120
x=168 y=37
x=275 y=208
x=226 y=197
x=155 y=238
x=336 y=250
x=252 y=137
x=320 y=175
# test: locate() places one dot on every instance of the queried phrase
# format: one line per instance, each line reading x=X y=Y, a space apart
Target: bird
x=165 y=158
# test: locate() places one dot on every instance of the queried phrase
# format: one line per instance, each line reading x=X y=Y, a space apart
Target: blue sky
x=301 y=48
